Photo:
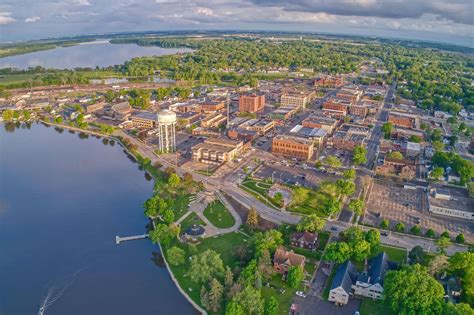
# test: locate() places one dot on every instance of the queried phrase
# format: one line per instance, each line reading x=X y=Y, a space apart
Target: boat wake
x=55 y=292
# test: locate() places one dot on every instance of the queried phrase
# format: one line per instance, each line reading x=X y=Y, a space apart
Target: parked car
x=300 y=294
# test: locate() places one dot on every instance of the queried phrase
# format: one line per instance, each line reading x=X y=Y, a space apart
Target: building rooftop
x=144 y=115
x=309 y=132
x=345 y=276
x=323 y=120
x=459 y=199
x=293 y=139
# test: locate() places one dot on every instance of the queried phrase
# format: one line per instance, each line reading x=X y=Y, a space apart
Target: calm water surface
x=98 y=53
x=62 y=201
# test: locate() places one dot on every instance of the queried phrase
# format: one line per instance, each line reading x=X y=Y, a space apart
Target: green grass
x=395 y=254
x=371 y=307
x=218 y=215
x=259 y=197
x=191 y=219
x=306 y=208
x=285 y=299
x=329 y=280
x=181 y=205
x=221 y=245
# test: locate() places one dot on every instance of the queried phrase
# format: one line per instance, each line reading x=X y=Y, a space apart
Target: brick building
x=145 y=120
x=329 y=81
x=319 y=121
x=251 y=103
x=402 y=168
x=293 y=147
x=209 y=106
x=294 y=99
x=403 y=120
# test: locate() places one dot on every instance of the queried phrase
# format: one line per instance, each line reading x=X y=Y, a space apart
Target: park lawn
x=260 y=197
x=220 y=244
x=218 y=215
x=258 y=186
x=223 y=245
x=191 y=219
x=181 y=205
x=374 y=307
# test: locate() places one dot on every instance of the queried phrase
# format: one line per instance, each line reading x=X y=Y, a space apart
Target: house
x=283 y=260
x=306 y=240
x=370 y=284
x=341 y=287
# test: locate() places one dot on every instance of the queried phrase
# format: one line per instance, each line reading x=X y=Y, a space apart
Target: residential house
x=341 y=287
x=283 y=260
x=306 y=240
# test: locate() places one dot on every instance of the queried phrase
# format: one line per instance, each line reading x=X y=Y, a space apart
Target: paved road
x=382 y=115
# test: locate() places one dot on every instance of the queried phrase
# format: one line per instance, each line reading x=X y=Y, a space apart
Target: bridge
x=119 y=239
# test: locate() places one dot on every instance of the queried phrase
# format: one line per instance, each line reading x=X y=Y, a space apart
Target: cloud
x=458 y=11
x=32 y=19
x=5 y=18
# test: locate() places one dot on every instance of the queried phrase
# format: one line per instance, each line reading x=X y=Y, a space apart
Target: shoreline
x=173 y=278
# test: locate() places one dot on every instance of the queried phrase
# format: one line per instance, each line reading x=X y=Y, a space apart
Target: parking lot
x=343 y=155
x=393 y=202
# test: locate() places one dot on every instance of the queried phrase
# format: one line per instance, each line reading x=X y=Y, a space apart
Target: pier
x=119 y=239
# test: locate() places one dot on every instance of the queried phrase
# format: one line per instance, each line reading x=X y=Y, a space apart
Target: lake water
x=62 y=201
x=92 y=54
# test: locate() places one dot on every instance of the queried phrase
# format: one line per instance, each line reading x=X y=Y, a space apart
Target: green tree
x=265 y=266
x=234 y=308
x=460 y=238
x=252 y=217
x=438 y=146
x=443 y=242
x=430 y=233
x=332 y=162
x=416 y=230
x=387 y=130
x=205 y=266
x=349 y=174
x=7 y=114
x=163 y=234
x=216 y=292
x=168 y=215
x=359 y=155
x=175 y=256
x=395 y=155
x=250 y=299
x=26 y=114
x=361 y=250
x=373 y=237
x=415 y=139
x=345 y=187
x=58 y=120
x=300 y=196
x=457 y=309
x=384 y=224
x=271 y=306
x=228 y=278
x=462 y=264
x=151 y=207
x=269 y=240
x=437 y=173
x=400 y=227
x=417 y=255
x=412 y=290
x=174 y=181
x=311 y=223
x=357 y=206
x=337 y=252
x=295 y=276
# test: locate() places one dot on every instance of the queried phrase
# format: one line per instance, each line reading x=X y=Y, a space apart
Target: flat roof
x=321 y=119
x=293 y=138
x=145 y=115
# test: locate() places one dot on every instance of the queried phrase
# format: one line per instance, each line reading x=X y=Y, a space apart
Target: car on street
x=300 y=294
x=333 y=228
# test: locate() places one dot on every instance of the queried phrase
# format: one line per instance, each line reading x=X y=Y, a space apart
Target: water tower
x=166 y=130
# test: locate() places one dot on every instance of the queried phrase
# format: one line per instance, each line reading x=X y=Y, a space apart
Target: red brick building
x=402 y=120
x=251 y=103
x=328 y=81
x=293 y=147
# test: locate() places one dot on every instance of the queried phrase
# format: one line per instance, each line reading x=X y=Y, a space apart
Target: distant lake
x=63 y=198
x=91 y=54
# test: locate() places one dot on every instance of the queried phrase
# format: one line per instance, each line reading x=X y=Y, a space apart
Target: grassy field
x=283 y=293
x=306 y=208
x=218 y=215
x=395 y=254
x=260 y=190
x=191 y=219
x=181 y=205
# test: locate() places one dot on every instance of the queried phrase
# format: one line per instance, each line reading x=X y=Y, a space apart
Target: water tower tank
x=166 y=117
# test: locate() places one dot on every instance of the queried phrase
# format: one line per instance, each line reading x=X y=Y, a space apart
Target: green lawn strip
x=371 y=307
x=329 y=280
x=307 y=253
x=323 y=238
x=306 y=209
x=191 y=219
x=218 y=215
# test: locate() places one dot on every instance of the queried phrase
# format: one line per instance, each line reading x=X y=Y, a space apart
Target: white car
x=300 y=294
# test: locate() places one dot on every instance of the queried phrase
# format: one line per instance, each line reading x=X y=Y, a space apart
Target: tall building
x=294 y=99
x=251 y=103
x=293 y=147
x=167 y=130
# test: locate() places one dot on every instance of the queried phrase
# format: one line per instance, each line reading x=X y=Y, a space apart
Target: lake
x=63 y=199
x=90 y=54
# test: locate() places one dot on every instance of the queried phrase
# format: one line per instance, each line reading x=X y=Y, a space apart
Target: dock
x=119 y=239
